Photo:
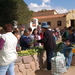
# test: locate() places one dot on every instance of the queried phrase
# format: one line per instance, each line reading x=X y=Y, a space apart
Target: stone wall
x=27 y=65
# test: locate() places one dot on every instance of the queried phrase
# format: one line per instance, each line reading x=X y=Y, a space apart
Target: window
x=59 y=23
x=49 y=23
x=39 y=23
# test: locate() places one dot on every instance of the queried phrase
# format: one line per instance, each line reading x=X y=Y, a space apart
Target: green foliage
x=8 y=11
x=24 y=14
x=42 y=10
x=27 y=52
x=14 y=10
x=32 y=51
x=59 y=47
x=33 y=41
x=32 y=11
x=39 y=49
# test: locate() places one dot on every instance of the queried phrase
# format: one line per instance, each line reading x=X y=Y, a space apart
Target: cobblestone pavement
x=70 y=71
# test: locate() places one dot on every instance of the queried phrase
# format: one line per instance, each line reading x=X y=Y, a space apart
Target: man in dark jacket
x=49 y=43
x=25 y=40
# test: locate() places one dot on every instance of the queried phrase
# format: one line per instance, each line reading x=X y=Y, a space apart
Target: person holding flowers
x=49 y=43
x=25 y=40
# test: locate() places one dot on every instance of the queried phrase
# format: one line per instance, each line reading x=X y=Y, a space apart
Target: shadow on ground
x=70 y=71
x=42 y=72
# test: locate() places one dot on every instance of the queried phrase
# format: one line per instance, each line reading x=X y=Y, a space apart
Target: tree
x=11 y=10
x=8 y=11
x=42 y=10
x=24 y=13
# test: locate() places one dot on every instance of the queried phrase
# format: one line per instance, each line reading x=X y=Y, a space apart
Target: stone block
x=35 y=57
x=21 y=67
x=29 y=72
x=37 y=65
x=19 y=63
x=27 y=59
x=18 y=73
x=27 y=66
x=32 y=64
x=16 y=69
x=24 y=72
x=19 y=59
x=44 y=54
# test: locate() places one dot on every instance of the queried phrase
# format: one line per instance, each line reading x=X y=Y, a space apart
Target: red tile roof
x=51 y=16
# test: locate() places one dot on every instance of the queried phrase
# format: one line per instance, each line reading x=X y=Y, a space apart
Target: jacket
x=48 y=40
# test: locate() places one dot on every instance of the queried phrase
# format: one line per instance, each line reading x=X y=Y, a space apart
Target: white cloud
x=35 y=7
x=46 y=1
x=32 y=5
x=61 y=10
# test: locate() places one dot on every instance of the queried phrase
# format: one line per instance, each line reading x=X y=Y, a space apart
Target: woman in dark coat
x=49 y=43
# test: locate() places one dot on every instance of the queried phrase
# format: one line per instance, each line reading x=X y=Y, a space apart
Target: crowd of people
x=12 y=39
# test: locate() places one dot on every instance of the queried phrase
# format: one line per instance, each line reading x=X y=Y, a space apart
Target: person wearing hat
x=49 y=43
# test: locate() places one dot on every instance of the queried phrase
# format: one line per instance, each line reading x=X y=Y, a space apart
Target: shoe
x=67 y=67
x=48 y=69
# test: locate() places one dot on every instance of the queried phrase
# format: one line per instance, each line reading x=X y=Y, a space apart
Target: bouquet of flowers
x=33 y=41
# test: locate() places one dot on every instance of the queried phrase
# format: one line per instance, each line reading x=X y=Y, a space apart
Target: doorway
x=72 y=23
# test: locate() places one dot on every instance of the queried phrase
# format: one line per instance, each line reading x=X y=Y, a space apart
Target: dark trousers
x=49 y=54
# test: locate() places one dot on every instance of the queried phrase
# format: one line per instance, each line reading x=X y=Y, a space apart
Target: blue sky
x=61 y=6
